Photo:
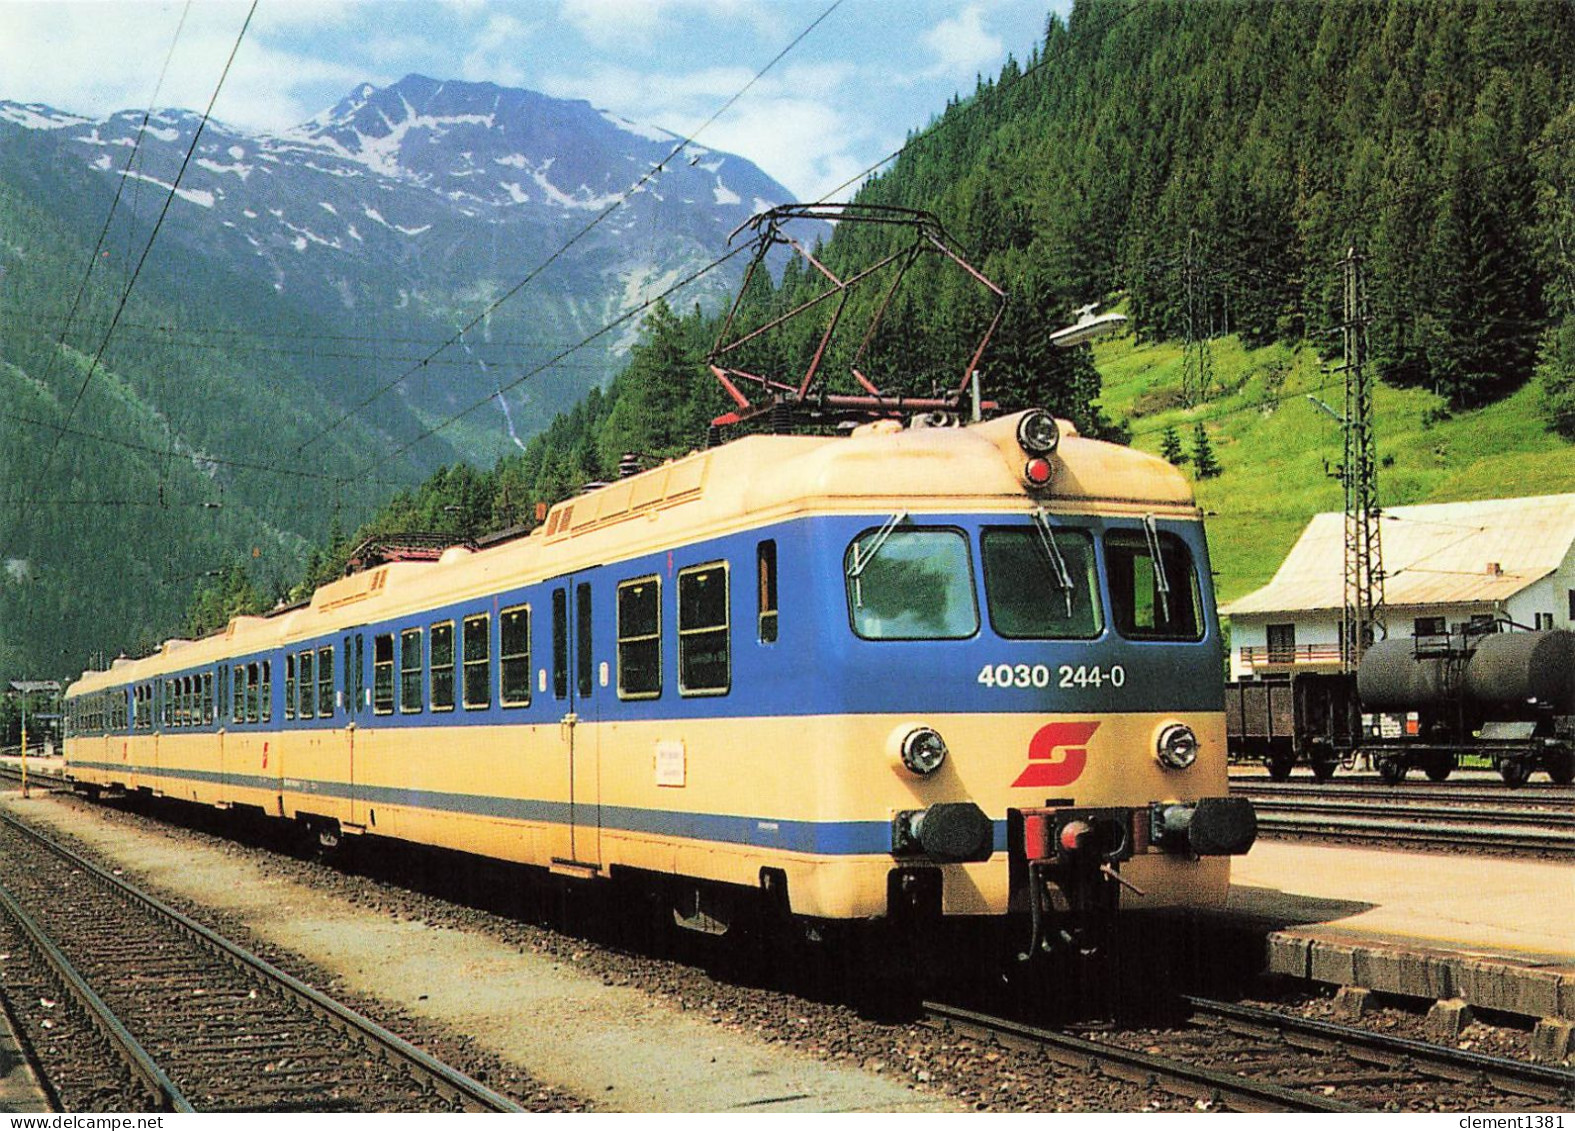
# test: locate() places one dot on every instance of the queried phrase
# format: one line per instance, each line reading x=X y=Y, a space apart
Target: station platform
x=1495 y=933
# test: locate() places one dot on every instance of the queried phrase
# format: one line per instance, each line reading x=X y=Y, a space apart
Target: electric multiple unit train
x=908 y=675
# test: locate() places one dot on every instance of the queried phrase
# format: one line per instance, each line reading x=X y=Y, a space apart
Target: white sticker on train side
x=1041 y=675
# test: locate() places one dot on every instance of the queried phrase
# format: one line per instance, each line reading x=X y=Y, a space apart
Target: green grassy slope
x=1273 y=443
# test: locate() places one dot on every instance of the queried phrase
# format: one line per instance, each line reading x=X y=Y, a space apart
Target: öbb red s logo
x=1057 y=754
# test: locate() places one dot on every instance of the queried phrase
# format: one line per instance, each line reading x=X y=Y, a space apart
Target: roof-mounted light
x=1037 y=472
x=1037 y=432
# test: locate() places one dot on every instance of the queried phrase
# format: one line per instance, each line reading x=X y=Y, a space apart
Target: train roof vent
x=668 y=485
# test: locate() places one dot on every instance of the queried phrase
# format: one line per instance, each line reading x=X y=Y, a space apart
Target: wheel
x=1440 y=770
x=1392 y=770
x=1279 y=768
x=1561 y=767
x=1514 y=771
x=1324 y=770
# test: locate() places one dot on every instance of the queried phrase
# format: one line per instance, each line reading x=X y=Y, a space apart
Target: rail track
x=36 y=779
x=1241 y=1058
x=1540 y=821
x=149 y=1009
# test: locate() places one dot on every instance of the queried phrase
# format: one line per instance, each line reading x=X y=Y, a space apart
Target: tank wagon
x=1509 y=696
x=910 y=676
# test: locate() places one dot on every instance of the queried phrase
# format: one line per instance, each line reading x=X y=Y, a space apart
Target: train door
x=348 y=697
x=574 y=685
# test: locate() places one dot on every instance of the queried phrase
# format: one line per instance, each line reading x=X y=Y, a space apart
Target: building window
x=1544 y=621
x=514 y=657
x=640 y=639
x=410 y=671
x=383 y=674
x=478 y=662
x=1282 y=643
x=1429 y=626
x=441 y=694
x=704 y=663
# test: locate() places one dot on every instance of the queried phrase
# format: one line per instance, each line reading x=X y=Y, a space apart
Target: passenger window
x=442 y=643
x=766 y=578
x=207 y=697
x=238 y=687
x=289 y=687
x=306 y=673
x=911 y=585
x=514 y=657
x=582 y=639
x=560 y=644
x=1040 y=583
x=409 y=671
x=704 y=663
x=478 y=662
x=267 y=691
x=325 y=683
x=640 y=639
x=252 y=688
x=383 y=674
x=1149 y=600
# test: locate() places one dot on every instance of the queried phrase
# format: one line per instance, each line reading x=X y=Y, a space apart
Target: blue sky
x=838 y=102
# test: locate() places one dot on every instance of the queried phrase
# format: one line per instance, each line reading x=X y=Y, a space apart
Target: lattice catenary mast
x=1364 y=619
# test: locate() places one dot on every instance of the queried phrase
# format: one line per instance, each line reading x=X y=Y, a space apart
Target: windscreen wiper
x=1161 y=578
x=1063 y=578
x=862 y=560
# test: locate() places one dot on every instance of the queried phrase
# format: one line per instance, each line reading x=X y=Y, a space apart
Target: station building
x=1445 y=564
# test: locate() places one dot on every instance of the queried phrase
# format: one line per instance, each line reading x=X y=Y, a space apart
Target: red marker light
x=1037 y=471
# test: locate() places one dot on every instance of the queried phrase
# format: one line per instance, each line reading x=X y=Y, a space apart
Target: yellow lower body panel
x=715 y=800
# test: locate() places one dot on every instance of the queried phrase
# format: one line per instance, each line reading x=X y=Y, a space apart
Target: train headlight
x=923 y=751
x=1176 y=747
x=1037 y=432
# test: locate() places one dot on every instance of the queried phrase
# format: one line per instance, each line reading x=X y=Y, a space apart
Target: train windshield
x=1040 y=583
x=1153 y=587
x=911 y=585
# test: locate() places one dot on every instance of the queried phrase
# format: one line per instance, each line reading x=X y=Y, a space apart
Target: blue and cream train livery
x=913 y=673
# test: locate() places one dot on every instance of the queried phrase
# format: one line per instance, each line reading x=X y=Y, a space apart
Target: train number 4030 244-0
x=1040 y=675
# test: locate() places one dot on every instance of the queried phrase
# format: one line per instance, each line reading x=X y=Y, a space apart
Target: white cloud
x=96 y=58
x=802 y=125
x=626 y=23
x=961 y=45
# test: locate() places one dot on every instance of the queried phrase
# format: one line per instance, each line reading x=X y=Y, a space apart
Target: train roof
x=878 y=469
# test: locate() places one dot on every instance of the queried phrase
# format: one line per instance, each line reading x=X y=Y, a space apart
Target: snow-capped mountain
x=406 y=211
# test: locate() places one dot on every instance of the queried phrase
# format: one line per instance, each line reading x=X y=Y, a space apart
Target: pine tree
x=1170 y=447
x=1203 y=460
